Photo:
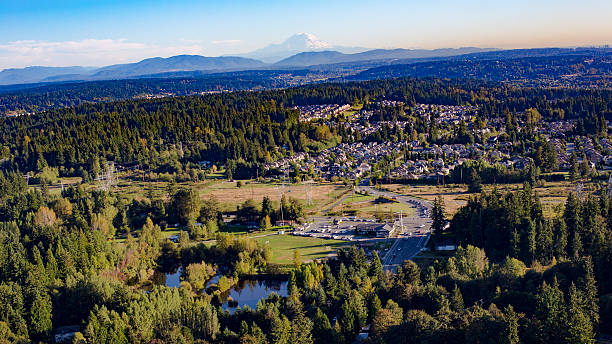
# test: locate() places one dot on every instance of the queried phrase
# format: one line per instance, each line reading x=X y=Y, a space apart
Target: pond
x=246 y=292
x=249 y=292
x=173 y=279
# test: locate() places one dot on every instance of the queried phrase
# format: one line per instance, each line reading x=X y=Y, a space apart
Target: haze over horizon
x=71 y=32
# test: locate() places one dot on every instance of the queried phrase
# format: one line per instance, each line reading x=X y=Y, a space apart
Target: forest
x=248 y=129
x=41 y=97
x=522 y=278
x=87 y=258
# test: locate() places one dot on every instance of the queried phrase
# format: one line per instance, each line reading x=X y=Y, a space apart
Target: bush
x=198 y=273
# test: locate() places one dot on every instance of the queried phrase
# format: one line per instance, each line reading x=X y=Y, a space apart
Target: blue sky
x=86 y=32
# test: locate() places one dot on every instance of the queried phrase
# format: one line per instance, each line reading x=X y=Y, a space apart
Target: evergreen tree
x=40 y=316
x=457 y=300
x=280 y=330
x=438 y=218
x=589 y=288
x=474 y=182
x=511 y=325
x=301 y=330
x=374 y=306
x=579 y=326
x=576 y=245
x=550 y=309
x=322 y=330
x=560 y=239
x=544 y=242
x=376 y=268
x=574 y=173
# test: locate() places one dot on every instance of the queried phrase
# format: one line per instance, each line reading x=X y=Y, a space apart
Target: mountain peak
x=298 y=43
x=305 y=41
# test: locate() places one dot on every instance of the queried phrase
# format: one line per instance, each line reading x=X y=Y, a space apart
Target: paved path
x=333 y=205
x=408 y=244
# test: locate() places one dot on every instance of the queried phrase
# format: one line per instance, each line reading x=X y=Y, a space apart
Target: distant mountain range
x=150 y=66
x=547 y=67
x=176 y=64
x=37 y=74
x=332 y=57
x=301 y=51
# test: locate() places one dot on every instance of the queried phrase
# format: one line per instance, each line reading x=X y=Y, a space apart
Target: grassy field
x=129 y=186
x=310 y=248
x=552 y=194
x=227 y=193
x=366 y=206
x=230 y=195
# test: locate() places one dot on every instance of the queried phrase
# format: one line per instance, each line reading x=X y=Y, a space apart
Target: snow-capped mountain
x=303 y=41
x=298 y=43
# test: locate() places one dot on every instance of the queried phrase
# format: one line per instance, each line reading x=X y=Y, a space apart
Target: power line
x=308 y=190
x=107 y=177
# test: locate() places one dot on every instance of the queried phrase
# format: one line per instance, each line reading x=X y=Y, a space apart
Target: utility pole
x=107 y=177
x=579 y=190
x=281 y=192
x=308 y=191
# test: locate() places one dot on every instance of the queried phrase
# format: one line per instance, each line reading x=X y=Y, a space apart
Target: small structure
x=378 y=230
x=282 y=223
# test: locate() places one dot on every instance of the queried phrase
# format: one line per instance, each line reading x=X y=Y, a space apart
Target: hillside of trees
x=250 y=128
x=41 y=97
x=585 y=70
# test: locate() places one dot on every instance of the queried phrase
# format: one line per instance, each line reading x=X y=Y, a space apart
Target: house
x=522 y=162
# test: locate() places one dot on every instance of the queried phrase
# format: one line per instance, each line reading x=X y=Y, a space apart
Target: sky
x=103 y=32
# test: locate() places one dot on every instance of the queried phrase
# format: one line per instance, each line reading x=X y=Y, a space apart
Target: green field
x=310 y=248
x=358 y=198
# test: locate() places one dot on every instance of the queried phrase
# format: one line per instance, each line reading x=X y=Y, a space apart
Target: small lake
x=173 y=279
x=249 y=292
x=246 y=293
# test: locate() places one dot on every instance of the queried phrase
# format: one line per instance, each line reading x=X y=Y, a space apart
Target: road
x=333 y=205
x=409 y=243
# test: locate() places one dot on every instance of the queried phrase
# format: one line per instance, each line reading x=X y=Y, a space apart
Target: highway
x=409 y=243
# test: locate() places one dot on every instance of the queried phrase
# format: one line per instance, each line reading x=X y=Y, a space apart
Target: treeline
x=466 y=299
x=514 y=225
x=59 y=268
x=41 y=97
x=523 y=70
x=216 y=128
x=524 y=285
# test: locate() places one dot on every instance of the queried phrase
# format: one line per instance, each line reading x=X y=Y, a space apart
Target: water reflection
x=249 y=292
x=174 y=279
x=246 y=293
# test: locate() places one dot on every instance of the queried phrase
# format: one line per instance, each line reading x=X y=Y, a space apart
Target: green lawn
x=309 y=248
x=170 y=231
x=358 y=198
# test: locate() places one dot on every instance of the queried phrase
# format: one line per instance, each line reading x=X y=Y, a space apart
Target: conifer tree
x=579 y=325
x=511 y=335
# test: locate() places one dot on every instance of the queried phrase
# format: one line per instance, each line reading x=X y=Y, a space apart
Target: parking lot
x=339 y=228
